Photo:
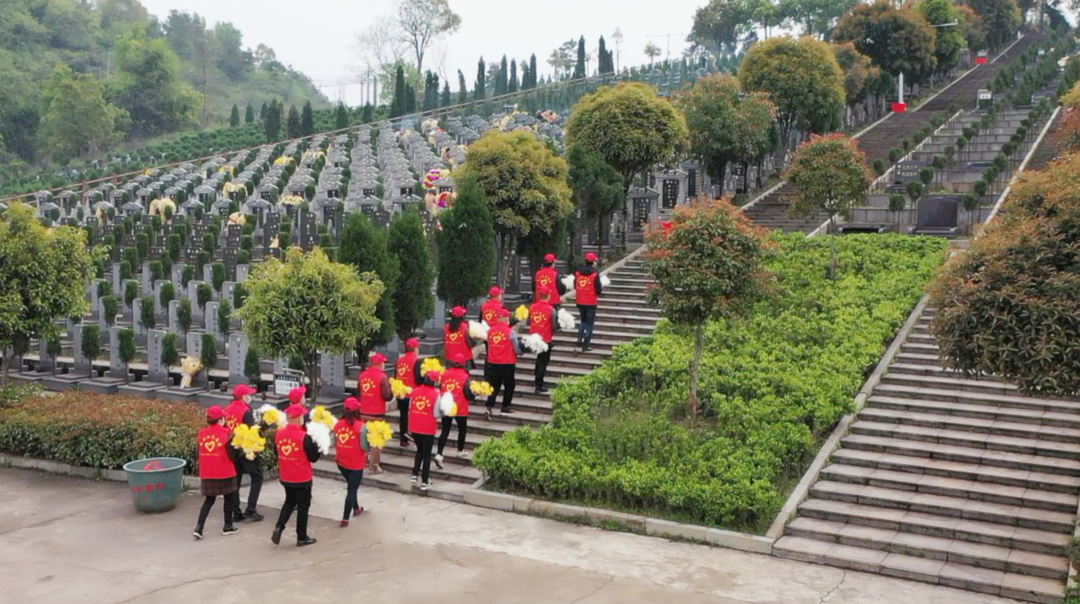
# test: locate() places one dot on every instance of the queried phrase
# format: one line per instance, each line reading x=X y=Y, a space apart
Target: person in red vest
x=423 y=407
x=375 y=392
x=492 y=306
x=217 y=471
x=296 y=452
x=457 y=382
x=407 y=370
x=549 y=277
x=542 y=320
x=499 y=371
x=588 y=289
x=239 y=412
x=351 y=435
x=456 y=339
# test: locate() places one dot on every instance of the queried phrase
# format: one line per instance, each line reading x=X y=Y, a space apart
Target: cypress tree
x=524 y=75
x=272 y=123
x=341 y=117
x=532 y=71
x=292 y=126
x=579 y=67
x=397 y=105
x=413 y=301
x=463 y=90
x=249 y=115
x=602 y=60
x=466 y=246
x=480 y=89
x=513 y=84
x=367 y=113
x=263 y=112
x=410 y=100
x=501 y=78
x=234 y=116
x=307 y=120
x=364 y=246
x=445 y=102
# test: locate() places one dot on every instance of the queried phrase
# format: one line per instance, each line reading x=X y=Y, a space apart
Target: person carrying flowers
x=492 y=306
x=375 y=392
x=548 y=276
x=296 y=452
x=456 y=339
x=239 y=413
x=542 y=322
x=588 y=287
x=217 y=471
x=423 y=407
x=350 y=453
x=457 y=382
x=407 y=371
x=501 y=367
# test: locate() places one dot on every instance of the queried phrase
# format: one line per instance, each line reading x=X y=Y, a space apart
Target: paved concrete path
x=65 y=540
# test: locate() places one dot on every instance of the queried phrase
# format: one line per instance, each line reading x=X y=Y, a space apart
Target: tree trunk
x=832 y=250
x=6 y=362
x=311 y=363
x=695 y=368
x=599 y=235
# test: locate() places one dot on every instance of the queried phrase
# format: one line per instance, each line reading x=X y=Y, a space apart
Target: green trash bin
x=155 y=483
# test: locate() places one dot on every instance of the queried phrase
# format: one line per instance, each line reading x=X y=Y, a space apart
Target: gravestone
x=117 y=369
x=145 y=284
x=228 y=257
x=45 y=362
x=117 y=282
x=208 y=272
x=178 y=274
x=174 y=323
x=238 y=347
x=228 y=292
x=241 y=272
x=82 y=364
x=333 y=374
x=136 y=321
x=95 y=303
x=157 y=371
x=103 y=322
x=232 y=236
x=211 y=320
x=309 y=231
x=194 y=349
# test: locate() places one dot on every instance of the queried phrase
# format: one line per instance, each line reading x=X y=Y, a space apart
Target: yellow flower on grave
x=378 y=432
x=320 y=415
x=232 y=187
x=399 y=388
x=237 y=218
x=284 y=160
x=481 y=388
x=431 y=364
x=521 y=313
x=248 y=439
x=292 y=200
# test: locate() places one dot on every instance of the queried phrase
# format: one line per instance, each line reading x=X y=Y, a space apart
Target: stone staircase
x=948 y=479
x=622 y=316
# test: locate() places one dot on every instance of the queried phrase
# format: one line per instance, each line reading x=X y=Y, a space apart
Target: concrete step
x=930 y=367
x=1046 y=481
x=951 y=574
x=975 y=440
x=969 y=425
x=449 y=490
x=977 y=411
x=952 y=487
x=498 y=425
x=941 y=505
x=955 y=381
x=1000 y=459
x=982 y=555
x=950 y=395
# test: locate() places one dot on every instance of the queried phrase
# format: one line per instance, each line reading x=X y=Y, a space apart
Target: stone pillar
x=158 y=372
x=82 y=364
x=211 y=320
x=238 y=348
x=333 y=374
x=95 y=302
x=102 y=320
x=208 y=272
x=116 y=366
x=174 y=324
x=117 y=282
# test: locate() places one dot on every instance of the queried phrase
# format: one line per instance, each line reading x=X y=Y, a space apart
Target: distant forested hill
x=78 y=77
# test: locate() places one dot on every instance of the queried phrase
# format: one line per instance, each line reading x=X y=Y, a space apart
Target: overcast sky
x=318 y=37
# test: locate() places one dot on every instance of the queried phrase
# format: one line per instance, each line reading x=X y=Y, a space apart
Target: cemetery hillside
x=804 y=287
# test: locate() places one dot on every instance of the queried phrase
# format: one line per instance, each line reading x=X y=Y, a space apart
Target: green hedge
x=773 y=386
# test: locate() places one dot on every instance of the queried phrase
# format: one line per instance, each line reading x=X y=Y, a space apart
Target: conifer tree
x=249 y=115
x=480 y=88
x=466 y=246
x=579 y=67
x=413 y=300
x=364 y=246
x=234 y=116
x=341 y=117
x=512 y=86
x=445 y=101
x=463 y=89
x=532 y=71
x=307 y=120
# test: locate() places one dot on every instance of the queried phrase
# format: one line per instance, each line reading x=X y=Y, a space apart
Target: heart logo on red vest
x=366 y=386
x=286 y=449
x=497 y=338
x=343 y=437
x=210 y=445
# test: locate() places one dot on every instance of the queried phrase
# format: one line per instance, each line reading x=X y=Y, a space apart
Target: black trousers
x=585 y=328
x=422 y=461
x=403 y=417
x=232 y=503
x=352 y=479
x=542 y=361
x=254 y=469
x=499 y=376
x=297 y=497
x=462 y=430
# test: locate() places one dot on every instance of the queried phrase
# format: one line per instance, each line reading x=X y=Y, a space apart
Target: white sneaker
x=427 y=485
x=464 y=454
x=438 y=461
x=413 y=480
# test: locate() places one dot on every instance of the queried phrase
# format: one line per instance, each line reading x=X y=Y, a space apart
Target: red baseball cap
x=549 y=258
x=590 y=257
x=242 y=390
x=352 y=404
x=457 y=358
x=544 y=291
x=377 y=358
x=296 y=410
x=502 y=313
x=412 y=344
x=296 y=395
x=215 y=413
x=495 y=291
x=433 y=376
x=458 y=311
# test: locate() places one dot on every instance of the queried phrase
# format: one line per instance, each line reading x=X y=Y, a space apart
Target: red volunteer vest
x=422 y=410
x=585 y=286
x=500 y=346
x=454 y=342
x=548 y=277
x=541 y=316
x=347 y=450
x=455 y=381
x=370 y=385
x=487 y=311
x=404 y=369
x=292 y=460
x=234 y=414
x=214 y=460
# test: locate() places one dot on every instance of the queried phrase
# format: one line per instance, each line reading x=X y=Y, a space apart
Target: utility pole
x=617 y=37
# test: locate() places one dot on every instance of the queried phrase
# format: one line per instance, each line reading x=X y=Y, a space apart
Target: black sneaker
x=197 y=533
x=508 y=412
x=276 y=536
x=230 y=530
x=541 y=389
x=305 y=541
x=238 y=517
x=253 y=515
